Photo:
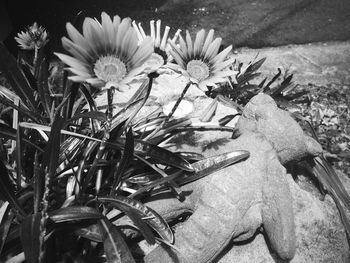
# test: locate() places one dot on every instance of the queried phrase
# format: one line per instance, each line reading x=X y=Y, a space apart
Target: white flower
x=34 y=37
x=160 y=55
x=107 y=53
x=201 y=61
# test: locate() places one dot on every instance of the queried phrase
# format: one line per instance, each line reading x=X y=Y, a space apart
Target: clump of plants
x=71 y=171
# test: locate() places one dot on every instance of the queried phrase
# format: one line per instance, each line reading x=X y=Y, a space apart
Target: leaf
x=6 y=222
x=19 y=169
x=114 y=245
x=73 y=94
x=10 y=133
x=256 y=65
x=52 y=149
x=97 y=115
x=30 y=237
x=43 y=86
x=147 y=83
x=74 y=213
x=163 y=155
x=39 y=183
x=32 y=115
x=15 y=77
x=88 y=97
x=151 y=217
x=142 y=226
x=210 y=165
x=92 y=232
x=157 y=182
x=7 y=190
x=125 y=113
x=128 y=155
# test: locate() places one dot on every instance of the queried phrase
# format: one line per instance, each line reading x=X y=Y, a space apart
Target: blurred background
x=243 y=23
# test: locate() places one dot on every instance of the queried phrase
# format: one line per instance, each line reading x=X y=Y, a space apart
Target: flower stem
x=178 y=101
x=109 y=112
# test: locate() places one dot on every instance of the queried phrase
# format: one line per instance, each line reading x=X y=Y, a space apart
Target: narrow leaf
x=5 y=225
x=52 y=149
x=163 y=155
x=97 y=115
x=73 y=213
x=128 y=155
x=212 y=164
x=152 y=218
x=30 y=234
x=43 y=86
x=15 y=77
x=92 y=232
x=114 y=245
x=7 y=189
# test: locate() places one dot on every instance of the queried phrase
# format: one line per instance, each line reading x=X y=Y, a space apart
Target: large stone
x=320 y=234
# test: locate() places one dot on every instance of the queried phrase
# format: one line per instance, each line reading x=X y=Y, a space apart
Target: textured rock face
x=258 y=192
x=320 y=235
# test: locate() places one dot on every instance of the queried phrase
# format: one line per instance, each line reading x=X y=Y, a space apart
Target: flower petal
x=189 y=44
x=76 y=50
x=82 y=73
x=93 y=33
x=224 y=64
x=222 y=55
x=108 y=32
x=213 y=49
x=208 y=41
x=72 y=62
x=121 y=31
x=76 y=37
x=143 y=52
x=198 y=43
x=164 y=39
x=129 y=44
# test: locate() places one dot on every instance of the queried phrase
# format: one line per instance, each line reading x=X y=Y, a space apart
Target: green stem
x=109 y=113
x=178 y=102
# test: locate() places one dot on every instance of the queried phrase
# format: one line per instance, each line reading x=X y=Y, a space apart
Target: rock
x=320 y=234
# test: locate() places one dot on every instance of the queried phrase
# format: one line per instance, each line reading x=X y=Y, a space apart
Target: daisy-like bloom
x=201 y=61
x=107 y=54
x=160 y=55
x=34 y=36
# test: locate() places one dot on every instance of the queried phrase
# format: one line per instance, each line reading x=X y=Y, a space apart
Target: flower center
x=110 y=68
x=198 y=69
x=155 y=61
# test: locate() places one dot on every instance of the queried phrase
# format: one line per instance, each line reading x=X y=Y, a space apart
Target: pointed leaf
x=5 y=225
x=7 y=189
x=73 y=213
x=151 y=217
x=97 y=115
x=7 y=132
x=209 y=165
x=30 y=237
x=92 y=232
x=114 y=245
x=128 y=155
x=163 y=155
x=15 y=77
x=52 y=149
x=43 y=85
x=72 y=97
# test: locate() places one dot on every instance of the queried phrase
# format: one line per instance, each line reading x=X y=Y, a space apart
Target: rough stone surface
x=320 y=235
x=257 y=194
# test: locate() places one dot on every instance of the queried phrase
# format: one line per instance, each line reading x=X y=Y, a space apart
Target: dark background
x=248 y=23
